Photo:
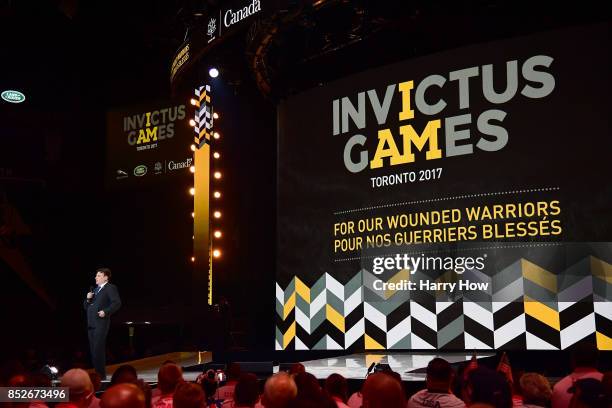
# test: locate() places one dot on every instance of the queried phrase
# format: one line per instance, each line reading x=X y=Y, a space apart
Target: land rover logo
x=13 y=96
x=140 y=170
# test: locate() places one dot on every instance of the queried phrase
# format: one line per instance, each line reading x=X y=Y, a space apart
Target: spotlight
x=216 y=253
x=216 y=135
x=193 y=148
x=191 y=122
x=217 y=214
x=192 y=191
x=217 y=175
x=216 y=155
x=217 y=194
x=213 y=72
x=192 y=215
x=217 y=234
x=193 y=102
x=192 y=169
x=215 y=115
x=193 y=259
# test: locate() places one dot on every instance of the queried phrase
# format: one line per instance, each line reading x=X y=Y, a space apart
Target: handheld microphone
x=370 y=368
x=91 y=288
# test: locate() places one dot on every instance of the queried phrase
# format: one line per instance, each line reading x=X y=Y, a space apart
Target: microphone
x=91 y=288
x=370 y=369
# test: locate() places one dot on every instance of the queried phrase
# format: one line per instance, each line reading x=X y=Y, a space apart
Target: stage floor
x=411 y=366
x=147 y=368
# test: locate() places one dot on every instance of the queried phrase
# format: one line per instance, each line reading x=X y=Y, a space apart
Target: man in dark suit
x=100 y=305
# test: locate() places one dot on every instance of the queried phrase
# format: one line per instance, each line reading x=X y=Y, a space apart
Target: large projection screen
x=457 y=201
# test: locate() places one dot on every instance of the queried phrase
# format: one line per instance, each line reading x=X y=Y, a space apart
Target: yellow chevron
x=335 y=318
x=302 y=290
x=601 y=269
x=371 y=344
x=289 y=305
x=401 y=275
x=543 y=313
x=539 y=276
x=289 y=335
x=603 y=342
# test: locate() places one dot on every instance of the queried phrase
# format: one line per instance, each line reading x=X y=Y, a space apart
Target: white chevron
x=423 y=315
x=510 y=330
x=374 y=316
x=354 y=333
x=401 y=330
x=578 y=330
x=479 y=314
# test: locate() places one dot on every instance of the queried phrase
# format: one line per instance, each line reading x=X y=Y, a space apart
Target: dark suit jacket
x=108 y=300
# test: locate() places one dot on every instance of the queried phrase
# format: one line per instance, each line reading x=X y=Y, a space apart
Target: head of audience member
x=297 y=368
x=382 y=390
x=279 y=391
x=189 y=395
x=124 y=395
x=209 y=383
x=440 y=375
x=146 y=390
x=307 y=386
x=588 y=393
x=246 y=393
x=168 y=377
x=337 y=386
x=535 y=389
x=584 y=355
x=80 y=388
x=487 y=387
x=233 y=372
x=124 y=374
x=96 y=380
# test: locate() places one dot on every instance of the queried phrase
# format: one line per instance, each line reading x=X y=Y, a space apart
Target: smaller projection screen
x=148 y=144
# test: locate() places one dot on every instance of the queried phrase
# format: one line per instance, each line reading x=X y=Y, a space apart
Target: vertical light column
x=202 y=243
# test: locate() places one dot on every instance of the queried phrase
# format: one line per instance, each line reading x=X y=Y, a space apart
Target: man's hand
x=101 y=313
x=90 y=295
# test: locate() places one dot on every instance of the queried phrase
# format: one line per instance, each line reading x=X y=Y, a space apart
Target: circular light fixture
x=213 y=72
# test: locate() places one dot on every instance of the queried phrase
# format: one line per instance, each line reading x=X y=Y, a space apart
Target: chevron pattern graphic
x=203 y=116
x=525 y=307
